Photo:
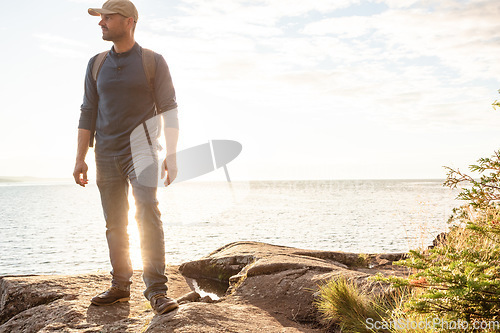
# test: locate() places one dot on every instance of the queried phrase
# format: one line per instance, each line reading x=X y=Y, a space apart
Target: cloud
x=410 y=64
x=256 y=19
x=463 y=36
x=398 y=3
x=263 y=12
x=461 y=29
x=61 y=46
x=342 y=27
x=333 y=78
x=325 y=81
x=49 y=38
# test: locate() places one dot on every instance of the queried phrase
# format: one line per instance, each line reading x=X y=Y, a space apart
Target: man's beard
x=113 y=36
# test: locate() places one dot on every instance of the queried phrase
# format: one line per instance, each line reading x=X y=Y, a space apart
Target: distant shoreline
x=27 y=179
x=7 y=179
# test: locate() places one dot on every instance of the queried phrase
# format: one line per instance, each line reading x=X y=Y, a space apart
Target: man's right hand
x=80 y=173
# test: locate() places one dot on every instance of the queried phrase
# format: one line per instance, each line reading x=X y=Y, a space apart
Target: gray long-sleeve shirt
x=124 y=98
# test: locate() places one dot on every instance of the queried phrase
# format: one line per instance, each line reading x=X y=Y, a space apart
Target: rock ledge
x=271 y=288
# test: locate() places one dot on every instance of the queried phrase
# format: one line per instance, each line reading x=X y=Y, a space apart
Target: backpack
x=149 y=65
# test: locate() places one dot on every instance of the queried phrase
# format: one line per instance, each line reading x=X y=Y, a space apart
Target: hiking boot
x=162 y=304
x=111 y=296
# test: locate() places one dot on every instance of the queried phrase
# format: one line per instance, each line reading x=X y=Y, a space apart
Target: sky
x=319 y=89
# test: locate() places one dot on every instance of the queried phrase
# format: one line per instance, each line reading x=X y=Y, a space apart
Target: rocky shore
x=269 y=289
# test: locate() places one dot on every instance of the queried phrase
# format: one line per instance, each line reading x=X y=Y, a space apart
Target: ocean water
x=58 y=228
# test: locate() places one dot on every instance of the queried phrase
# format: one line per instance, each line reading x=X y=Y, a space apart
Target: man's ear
x=130 y=22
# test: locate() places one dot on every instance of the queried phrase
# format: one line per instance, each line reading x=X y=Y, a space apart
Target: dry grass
x=342 y=303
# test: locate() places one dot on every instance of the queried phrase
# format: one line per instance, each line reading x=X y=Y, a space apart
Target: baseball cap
x=122 y=7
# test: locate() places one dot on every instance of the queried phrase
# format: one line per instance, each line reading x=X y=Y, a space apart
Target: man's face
x=114 y=27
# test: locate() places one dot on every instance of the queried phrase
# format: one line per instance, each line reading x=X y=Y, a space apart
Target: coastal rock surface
x=270 y=289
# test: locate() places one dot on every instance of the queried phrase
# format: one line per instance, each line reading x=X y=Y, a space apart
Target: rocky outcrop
x=270 y=288
x=284 y=280
x=61 y=303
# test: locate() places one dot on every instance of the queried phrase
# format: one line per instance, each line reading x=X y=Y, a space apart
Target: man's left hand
x=169 y=166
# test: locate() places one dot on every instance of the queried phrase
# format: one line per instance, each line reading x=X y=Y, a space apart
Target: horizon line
x=22 y=179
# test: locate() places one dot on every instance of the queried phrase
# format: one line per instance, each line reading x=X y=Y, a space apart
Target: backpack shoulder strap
x=149 y=64
x=96 y=67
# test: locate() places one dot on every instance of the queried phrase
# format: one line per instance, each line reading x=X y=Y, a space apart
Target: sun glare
x=134 y=239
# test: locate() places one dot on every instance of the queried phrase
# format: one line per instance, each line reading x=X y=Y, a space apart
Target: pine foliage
x=460 y=277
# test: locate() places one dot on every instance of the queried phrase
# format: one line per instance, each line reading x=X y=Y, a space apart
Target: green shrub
x=456 y=281
x=460 y=278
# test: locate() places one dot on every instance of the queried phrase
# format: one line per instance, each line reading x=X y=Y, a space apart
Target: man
x=124 y=100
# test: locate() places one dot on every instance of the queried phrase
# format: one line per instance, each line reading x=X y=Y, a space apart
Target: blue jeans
x=114 y=173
